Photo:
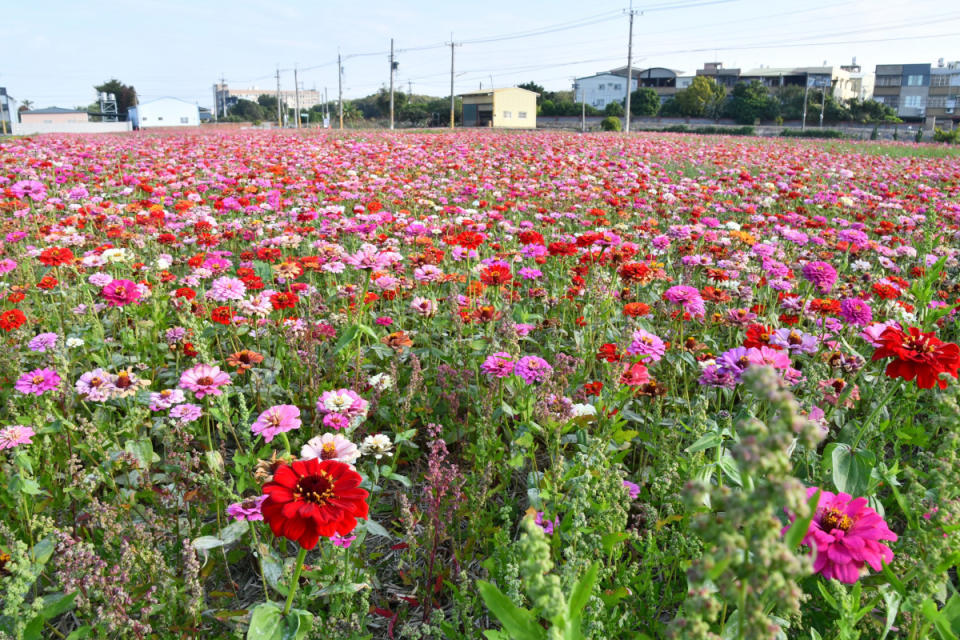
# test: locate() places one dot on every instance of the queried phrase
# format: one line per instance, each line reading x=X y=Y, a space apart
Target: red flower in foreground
x=313 y=498
x=918 y=355
x=13 y=319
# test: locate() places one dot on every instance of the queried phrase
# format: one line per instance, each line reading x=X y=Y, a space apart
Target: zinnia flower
x=249 y=509
x=313 y=498
x=377 y=446
x=121 y=292
x=275 y=420
x=918 y=355
x=14 y=436
x=687 y=297
x=38 y=381
x=498 y=365
x=821 y=274
x=634 y=375
x=533 y=369
x=845 y=534
x=204 y=380
x=646 y=344
x=330 y=446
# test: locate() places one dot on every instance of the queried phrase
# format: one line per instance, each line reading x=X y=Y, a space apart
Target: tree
x=751 y=102
x=868 y=111
x=703 y=98
x=533 y=86
x=644 y=102
x=126 y=95
x=613 y=109
x=247 y=110
x=610 y=123
x=25 y=105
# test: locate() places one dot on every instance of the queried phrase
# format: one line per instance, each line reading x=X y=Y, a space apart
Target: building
x=509 y=108
x=225 y=97
x=164 y=112
x=53 y=115
x=660 y=79
x=727 y=78
x=943 y=101
x=904 y=88
x=601 y=89
x=814 y=77
x=8 y=107
x=859 y=83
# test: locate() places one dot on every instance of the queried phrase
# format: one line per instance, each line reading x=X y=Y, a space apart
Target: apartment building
x=903 y=87
x=602 y=88
x=943 y=98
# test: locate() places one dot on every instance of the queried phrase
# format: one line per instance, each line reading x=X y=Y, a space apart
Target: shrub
x=951 y=137
x=610 y=123
x=812 y=133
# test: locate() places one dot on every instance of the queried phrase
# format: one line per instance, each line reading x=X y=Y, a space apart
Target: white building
x=164 y=112
x=601 y=89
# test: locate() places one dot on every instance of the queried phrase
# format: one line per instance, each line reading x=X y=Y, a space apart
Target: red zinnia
x=55 y=256
x=918 y=355
x=758 y=335
x=13 y=319
x=496 y=274
x=313 y=498
x=222 y=315
x=284 y=300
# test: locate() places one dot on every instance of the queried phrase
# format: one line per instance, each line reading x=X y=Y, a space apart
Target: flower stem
x=296 y=580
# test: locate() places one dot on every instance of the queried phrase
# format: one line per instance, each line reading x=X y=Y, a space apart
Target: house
x=660 y=79
x=508 y=108
x=943 y=101
x=727 y=78
x=53 y=115
x=164 y=112
x=601 y=89
x=903 y=87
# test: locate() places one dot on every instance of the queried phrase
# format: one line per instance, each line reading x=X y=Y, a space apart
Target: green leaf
x=851 y=469
x=345 y=339
x=706 y=441
x=33 y=630
x=80 y=632
x=266 y=622
x=56 y=604
x=520 y=624
x=798 y=530
x=376 y=529
x=582 y=590
x=41 y=552
x=298 y=624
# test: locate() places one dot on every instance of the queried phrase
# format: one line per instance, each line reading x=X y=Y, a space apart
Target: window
x=144 y=118
x=914 y=81
x=160 y=118
x=914 y=102
x=184 y=120
x=888 y=81
x=617 y=87
x=937 y=102
x=602 y=87
x=939 y=80
x=507 y=114
x=522 y=115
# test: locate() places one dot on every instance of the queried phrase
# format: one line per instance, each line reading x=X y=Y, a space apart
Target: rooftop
x=50 y=110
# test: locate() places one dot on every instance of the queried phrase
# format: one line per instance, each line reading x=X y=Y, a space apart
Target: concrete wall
x=165 y=112
x=514 y=109
x=50 y=118
x=32 y=128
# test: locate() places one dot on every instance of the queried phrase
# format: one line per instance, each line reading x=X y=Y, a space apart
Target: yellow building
x=508 y=108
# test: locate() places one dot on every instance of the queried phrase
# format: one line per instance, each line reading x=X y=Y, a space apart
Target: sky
x=55 y=51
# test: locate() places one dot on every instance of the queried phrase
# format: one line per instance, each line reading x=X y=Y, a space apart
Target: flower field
x=477 y=385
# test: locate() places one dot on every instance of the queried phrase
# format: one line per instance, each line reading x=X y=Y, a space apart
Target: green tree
x=126 y=95
x=644 y=102
x=246 y=110
x=613 y=109
x=751 y=102
x=25 y=105
x=533 y=86
x=703 y=98
x=871 y=111
x=610 y=123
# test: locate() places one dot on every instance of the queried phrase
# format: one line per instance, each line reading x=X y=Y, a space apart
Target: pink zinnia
x=635 y=375
x=38 y=381
x=688 y=297
x=121 y=292
x=14 y=436
x=845 y=534
x=204 y=380
x=498 y=365
x=856 y=311
x=821 y=274
x=330 y=446
x=249 y=509
x=276 y=420
x=646 y=344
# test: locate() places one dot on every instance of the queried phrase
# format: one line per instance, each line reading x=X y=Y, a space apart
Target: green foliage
x=703 y=98
x=247 y=110
x=749 y=103
x=614 y=109
x=611 y=123
x=644 y=102
x=126 y=95
x=812 y=133
x=950 y=137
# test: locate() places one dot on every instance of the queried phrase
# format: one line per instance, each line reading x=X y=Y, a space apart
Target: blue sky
x=55 y=51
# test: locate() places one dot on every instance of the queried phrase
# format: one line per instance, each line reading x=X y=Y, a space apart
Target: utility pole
x=626 y=129
x=583 y=109
x=409 y=89
x=452 y=98
x=279 y=102
x=823 y=104
x=340 y=88
x=806 y=91
x=296 y=97
x=391 y=83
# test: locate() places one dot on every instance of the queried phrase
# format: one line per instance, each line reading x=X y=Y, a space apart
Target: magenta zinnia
x=121 y=292
x=845 y=535
x=204 y=380
x=276 y=420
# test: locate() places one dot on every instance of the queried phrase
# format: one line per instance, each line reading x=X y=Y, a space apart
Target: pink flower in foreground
x=249 y=509
x=38 y=381
x=204 y=380
x=14 y=436
x=845 y=534
x=121 y=292
x=276 y=420
x=330 y=446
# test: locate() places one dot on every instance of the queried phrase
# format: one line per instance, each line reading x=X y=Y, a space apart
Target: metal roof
x=50 y=110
